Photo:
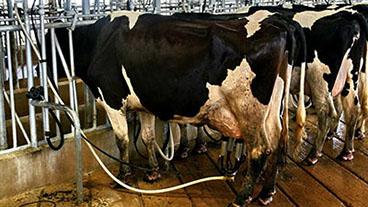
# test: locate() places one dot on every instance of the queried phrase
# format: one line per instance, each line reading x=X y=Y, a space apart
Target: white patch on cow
x=321 y=66
x=307 y=18
x=132 y=99
x=132 y=16
x=255 y=20
x=116 y=117
x=127 y=80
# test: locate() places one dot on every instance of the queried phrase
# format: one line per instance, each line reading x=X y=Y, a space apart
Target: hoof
x=183 y=153
x=346 y=155
x=359 y=134
x=123 y=177
x=152 y=176
x=200 y=148
x=312 y=158
x=332 y=134
x=265 y=201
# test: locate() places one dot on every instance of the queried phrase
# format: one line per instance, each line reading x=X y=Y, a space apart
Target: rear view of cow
x=229 y=74
x=336 y=42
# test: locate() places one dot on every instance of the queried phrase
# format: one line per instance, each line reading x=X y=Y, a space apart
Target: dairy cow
x=229 y=74
x=336 y=50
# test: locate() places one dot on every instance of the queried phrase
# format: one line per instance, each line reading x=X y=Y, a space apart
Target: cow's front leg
x=200 y=143
x=119 y=125
x=148 y=137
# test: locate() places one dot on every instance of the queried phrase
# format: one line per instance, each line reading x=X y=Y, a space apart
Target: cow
x=336 y=42
x=232 y=75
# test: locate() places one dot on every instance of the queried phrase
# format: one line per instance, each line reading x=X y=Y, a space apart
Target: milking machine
x=231 y=147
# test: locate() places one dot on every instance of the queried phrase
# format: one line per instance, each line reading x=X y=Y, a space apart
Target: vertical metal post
x=96 y=8
x=223 y=5
x=78 y=157
x=32 y=114
x=68 y=5
x=85 y=7
x=74 y=113
x=54 y=70
x=46 y=121
x=3 y=137
x=12 y=45
x=88 y=97
x=11 y=89
x=157 y=6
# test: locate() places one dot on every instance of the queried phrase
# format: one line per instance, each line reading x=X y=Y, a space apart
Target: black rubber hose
x=59 y=126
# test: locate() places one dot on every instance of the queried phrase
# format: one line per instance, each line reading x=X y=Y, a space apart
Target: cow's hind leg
x=255 y=167
x=363 y=98
x=148 y=136
x=323 y=127
x=351 y=110
x=269 y=188
x=200 y=145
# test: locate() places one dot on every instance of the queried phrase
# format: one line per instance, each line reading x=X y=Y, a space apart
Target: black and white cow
x=229 y=74
x=336 y=42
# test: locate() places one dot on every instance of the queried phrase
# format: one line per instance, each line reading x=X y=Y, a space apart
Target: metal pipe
x=54 y=70
x=3 y=137
x=72 y=85
x=78 y=146
x=13 y=44
x=157 y=6
x=6 y=28
x=32 y=114
x=88 y=97
x=45 y=111
x=96 y=9
x=85 y=7
x=68 y=5
x=11 y=91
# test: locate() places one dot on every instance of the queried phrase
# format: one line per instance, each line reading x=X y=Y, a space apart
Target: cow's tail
x=301 y=112
x=289 y=62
